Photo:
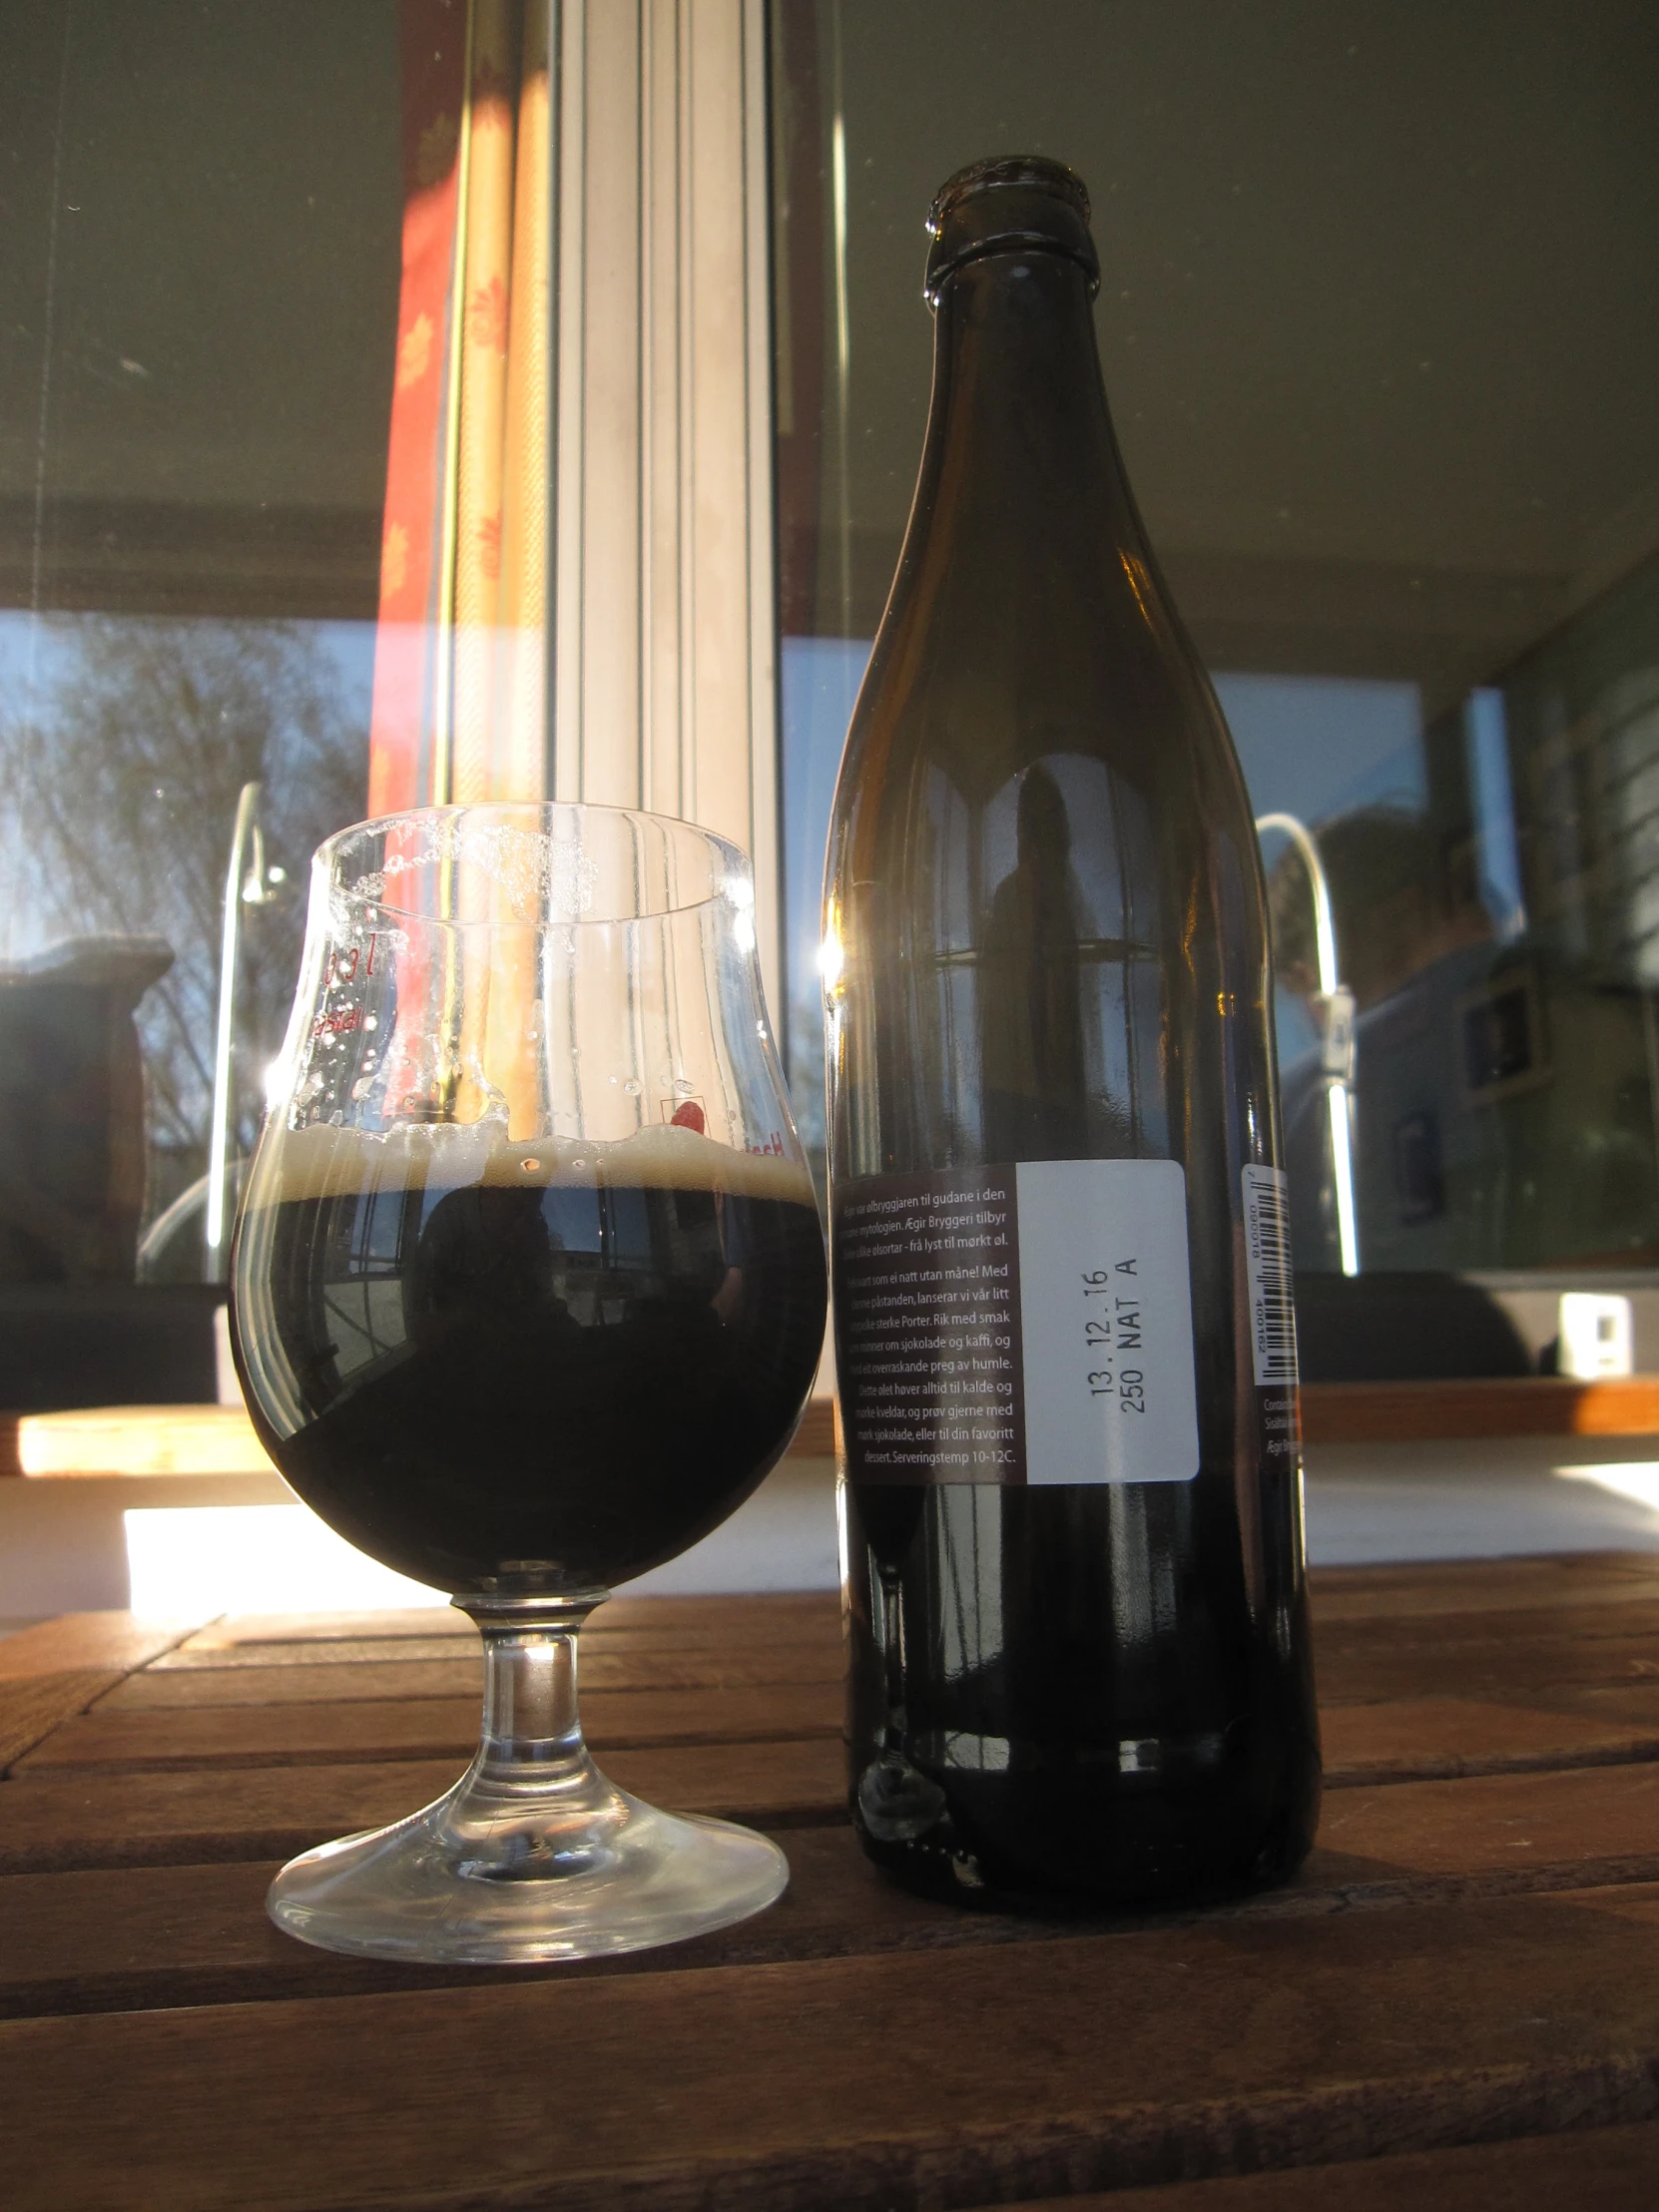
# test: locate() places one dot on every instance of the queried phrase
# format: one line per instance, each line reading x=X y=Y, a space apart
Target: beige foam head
x=323 y=1161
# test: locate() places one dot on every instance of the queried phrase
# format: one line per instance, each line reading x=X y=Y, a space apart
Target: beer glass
x=528 y=1293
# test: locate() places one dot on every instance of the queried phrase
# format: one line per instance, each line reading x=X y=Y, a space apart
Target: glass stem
x=533 y=1772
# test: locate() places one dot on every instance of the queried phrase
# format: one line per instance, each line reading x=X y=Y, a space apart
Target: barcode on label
x=1268 y=1256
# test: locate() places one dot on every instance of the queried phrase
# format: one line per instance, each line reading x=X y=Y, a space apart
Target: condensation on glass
x=1380 y=330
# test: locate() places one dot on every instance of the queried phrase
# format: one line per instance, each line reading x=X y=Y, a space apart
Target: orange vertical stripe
x=489 y=219
x=521 y=749
x=432 y=52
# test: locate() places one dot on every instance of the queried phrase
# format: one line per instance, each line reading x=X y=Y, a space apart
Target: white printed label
x=1107 y=1322
x=1268 y=1257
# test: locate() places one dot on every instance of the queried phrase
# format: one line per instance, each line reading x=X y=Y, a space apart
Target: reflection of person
x=1031 y=1024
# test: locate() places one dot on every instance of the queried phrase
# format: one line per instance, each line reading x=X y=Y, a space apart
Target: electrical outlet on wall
x=1595 y=1335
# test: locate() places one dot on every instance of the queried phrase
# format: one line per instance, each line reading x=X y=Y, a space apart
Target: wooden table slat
x=193 y=1689
x=1093 y=2063
x=1442 y=1738
x=1590 y=2170
x=148 y=1819
x=1407 y=1592
x=58 y=1668
x=699 y=1648
x=1631 y=1618
x=757 y=1619
x=1452 y=2004
x=114 y=1643
x=132 y=1938
x=1382 y=1669
x=1555 y=1829
x=33 y=1706
x=269 y=1735
x=660 y=1667
x=1422 y=1739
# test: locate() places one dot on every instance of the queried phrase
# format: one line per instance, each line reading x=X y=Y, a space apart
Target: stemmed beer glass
x=528 y=1293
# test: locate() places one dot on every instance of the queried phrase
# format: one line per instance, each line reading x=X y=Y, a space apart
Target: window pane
x=1381 y=337
x=199 y=304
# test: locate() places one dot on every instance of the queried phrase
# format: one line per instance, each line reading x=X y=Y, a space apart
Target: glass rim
x=731 y=875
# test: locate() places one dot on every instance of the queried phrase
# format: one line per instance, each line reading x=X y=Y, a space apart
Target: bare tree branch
x=122 y=784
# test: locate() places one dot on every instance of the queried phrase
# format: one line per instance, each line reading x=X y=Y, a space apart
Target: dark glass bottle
x=1071 y=1491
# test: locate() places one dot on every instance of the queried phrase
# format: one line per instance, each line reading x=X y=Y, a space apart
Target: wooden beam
x=219 y=1439
x=1528 y=1405
x=206 y=1440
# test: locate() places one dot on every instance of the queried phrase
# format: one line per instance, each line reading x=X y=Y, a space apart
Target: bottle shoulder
x=956 y=711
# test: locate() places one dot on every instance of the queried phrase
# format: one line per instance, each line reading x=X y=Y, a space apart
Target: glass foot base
x=485 y=1877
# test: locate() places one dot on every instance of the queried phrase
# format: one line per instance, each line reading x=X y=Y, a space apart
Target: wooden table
x=1456 y=2006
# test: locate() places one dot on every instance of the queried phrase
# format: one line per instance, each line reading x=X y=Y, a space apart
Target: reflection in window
x=1389 y=423
x=817 y=681
x=1475 y=1144
x=199 y=297
x=122 y=757
x=274 y=303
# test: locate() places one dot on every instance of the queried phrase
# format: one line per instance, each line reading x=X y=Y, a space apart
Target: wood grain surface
x=112 y=1739
x=58 y=1668
x=1086 y=2062
x=1611 y=2169
x=1452 y=2006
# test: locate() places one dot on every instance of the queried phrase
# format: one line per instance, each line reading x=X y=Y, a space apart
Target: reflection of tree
x=122 y=782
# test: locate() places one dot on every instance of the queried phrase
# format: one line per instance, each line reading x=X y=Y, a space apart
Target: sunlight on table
x=197 y=1559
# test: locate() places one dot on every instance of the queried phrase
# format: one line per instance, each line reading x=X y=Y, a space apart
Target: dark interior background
x=1381 y=337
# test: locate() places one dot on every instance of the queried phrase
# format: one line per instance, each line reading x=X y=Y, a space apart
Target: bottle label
x=1018 y=1324
x=1268 y=1259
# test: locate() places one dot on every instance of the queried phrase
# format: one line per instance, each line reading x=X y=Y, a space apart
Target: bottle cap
x=996 y=207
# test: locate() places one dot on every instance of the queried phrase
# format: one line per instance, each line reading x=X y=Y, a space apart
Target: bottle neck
x=1018 y=432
